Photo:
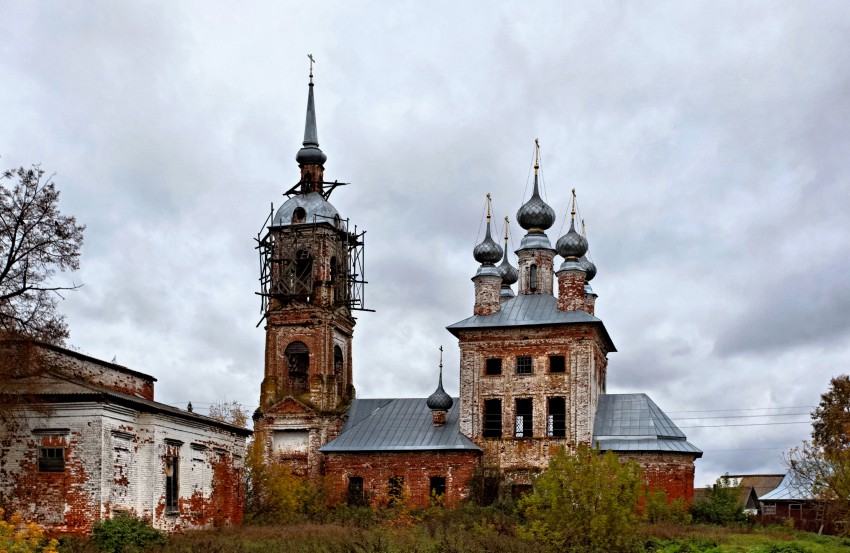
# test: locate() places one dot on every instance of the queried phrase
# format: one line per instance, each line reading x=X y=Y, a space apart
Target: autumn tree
x=36 y=239
x=230 y=412
x=831 y=418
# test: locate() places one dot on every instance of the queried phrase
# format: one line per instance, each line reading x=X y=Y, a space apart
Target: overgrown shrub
x=658 y=509
x=125 y=533
x=789 y=547
x=720 y=505
x=17 y=536
x=584 y=502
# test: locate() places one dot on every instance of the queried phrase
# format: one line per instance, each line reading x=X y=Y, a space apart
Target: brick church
x=533 y=364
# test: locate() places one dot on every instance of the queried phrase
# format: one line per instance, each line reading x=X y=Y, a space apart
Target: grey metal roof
x=530 y=310
x=790 y=489
x=318 y=209
x=404 y=424
x=633 y=422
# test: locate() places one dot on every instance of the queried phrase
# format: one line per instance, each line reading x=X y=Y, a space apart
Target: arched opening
x=339 y=371
x=303 y=273
x=298 y=360
x=299 y=215
x=532 y=278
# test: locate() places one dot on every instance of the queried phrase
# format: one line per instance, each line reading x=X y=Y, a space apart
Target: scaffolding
x=286 y=277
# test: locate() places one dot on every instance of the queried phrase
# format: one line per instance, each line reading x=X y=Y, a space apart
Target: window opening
x=356 y=497
x=303 y=284
x=493 y=367
x=557 y=364
x=172 y=485
x=492 y=418
x=396 y=490
x=299 y=215
x=523 y=365
x=556 y=424
x=51 y=459
x=437 y=488
x=339 y=370
x=524 y=417
x=532 y=277
x=298 y=359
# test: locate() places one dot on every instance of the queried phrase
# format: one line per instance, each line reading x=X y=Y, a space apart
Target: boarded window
x=493 y=367
x=524 y=415
x=395 y=492
x=437 y=488
x=51 y=459
x=556 y=364
x=523 y=365
x=298 y=359
x=291 y=440
x=172 y=484
x=492 y=418
x=356 y=497
x=556 y=423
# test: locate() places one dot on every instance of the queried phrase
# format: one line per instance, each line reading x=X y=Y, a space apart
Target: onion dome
x=310 y=154
x=589 y=268
x=440 y=400
x=507 y=271
x=487 y=252
x=305 y=208
x=535 y=214
x=572 y=244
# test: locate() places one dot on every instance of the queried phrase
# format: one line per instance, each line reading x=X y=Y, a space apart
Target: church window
x=298 y=359
x=492 y=418
x=333 y=270
x=51 y=459
x=532 y=278
x=493 y=367
x=437 y=488
x=172 y=484
x=299 y=215
x=356 y=497
x=556 y=364
x=523 y=364
x=556 y=422
x=524 y=415
x=339 y=369
x=396 y=490
x=303 y=284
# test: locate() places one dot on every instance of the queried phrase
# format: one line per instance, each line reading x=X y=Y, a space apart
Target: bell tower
x=312 y=279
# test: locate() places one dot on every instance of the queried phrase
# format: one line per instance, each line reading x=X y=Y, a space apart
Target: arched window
x=299 y=215
x=532 y=278
x=298 y=360
x=303 y=273
x=339 y=370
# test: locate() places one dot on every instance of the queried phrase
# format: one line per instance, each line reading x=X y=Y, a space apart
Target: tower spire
x=310 y=158
x=573 y=209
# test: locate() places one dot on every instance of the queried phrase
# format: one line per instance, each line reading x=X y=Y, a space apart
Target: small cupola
x=507 y=271
x=487 y=278
x=440 y=402
x=535 y=215
x=488 y=252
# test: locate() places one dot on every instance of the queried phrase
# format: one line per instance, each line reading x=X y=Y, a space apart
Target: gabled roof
x=398 y=425
x=790 y=489
x=761 y=483
x=633 y=422
x=531 y=310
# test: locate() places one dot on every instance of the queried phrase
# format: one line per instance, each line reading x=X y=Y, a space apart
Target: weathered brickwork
x=671 y=472
x=487 y=294
x=415 y=468
x=571 y=296
x=544 y=261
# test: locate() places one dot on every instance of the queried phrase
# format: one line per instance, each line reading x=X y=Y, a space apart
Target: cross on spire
x=312 y=61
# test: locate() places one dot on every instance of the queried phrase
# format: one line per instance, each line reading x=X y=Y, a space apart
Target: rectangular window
x=51 y=459
x=437 y=488
x=523 y=365
x=172 y=485
x=492 y=418
x=769 y=509
x=493 y=367
x=395 y=492
x=355 y=491
x=556 y=364
x=524 y=418
x=556 y=424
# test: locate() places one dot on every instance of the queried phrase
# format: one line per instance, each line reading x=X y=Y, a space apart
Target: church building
x=533 y=364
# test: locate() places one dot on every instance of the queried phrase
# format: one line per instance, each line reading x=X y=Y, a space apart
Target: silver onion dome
x=439 y=400
x=507 y=271
x=572 y=244
x=589 y=268
x=488 y=251
x=535 y=214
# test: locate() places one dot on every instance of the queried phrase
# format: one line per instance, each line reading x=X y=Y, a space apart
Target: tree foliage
x=17 y=536
x=720 y=505
x=35 y=241
x=831 y=418
x=585 y=501
x=230 y=412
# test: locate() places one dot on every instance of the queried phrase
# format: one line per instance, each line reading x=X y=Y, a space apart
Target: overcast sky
x=709 y=144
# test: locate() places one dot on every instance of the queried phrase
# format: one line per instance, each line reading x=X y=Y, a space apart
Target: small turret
x=507 y=271
x=535 y=255
x=487 y=279
x=440 y=402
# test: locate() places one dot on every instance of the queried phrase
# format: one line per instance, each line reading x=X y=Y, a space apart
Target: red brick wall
x=671 y=472
x=415 y=467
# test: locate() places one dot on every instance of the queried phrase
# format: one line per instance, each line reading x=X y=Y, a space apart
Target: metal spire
x=311 y=135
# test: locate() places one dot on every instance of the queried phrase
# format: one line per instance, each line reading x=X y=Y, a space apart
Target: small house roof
x=790 y=489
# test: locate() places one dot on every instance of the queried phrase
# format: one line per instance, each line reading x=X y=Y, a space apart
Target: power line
x=740 y=416
x=744 y=409
x=750 y=424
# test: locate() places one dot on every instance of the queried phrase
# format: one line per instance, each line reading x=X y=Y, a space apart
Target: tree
x=831 y=426
x=230 y=412
x=720 y=505
x=585 y=501
x=35 y=241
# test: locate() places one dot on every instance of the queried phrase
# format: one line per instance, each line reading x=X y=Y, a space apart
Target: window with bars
x=557 y=364
x=523 y=364
x=492 y=418
x=51 y=459
x=556 y=421
x=493 y=367
x=523 y=423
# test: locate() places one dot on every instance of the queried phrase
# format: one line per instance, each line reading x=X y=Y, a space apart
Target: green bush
x=125 y=534
x=720 y=505
x=790 y=547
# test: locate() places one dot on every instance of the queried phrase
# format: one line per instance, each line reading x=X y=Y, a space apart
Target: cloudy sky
x=708 y=143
